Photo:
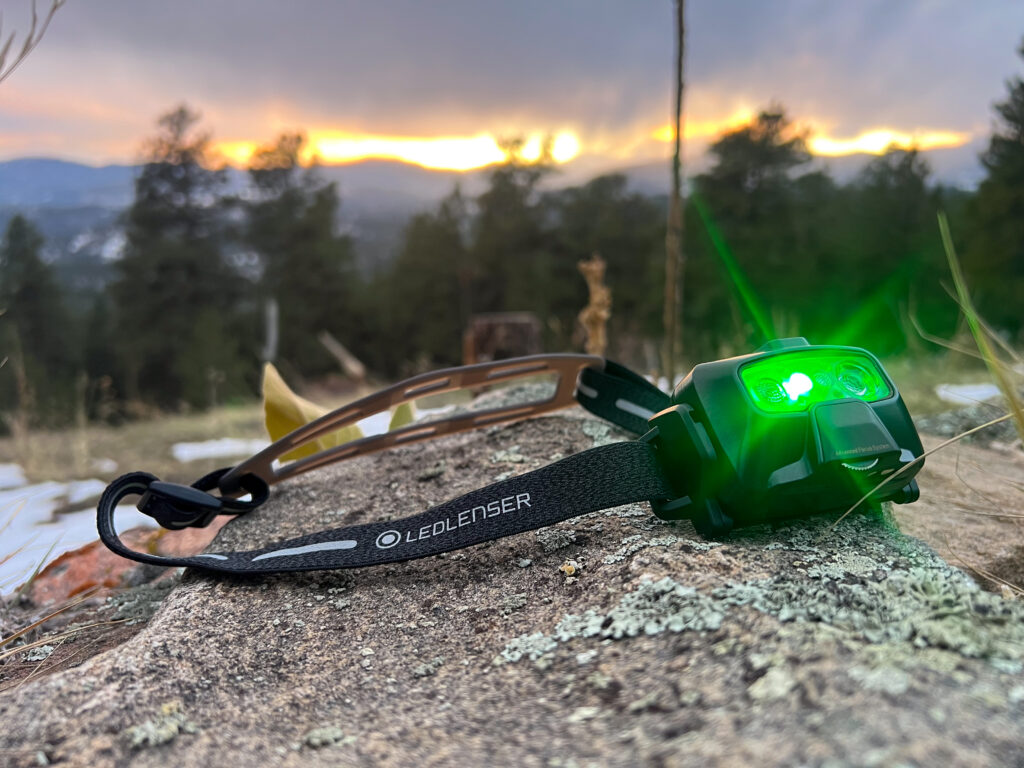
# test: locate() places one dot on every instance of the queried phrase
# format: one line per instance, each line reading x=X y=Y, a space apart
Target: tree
x=510 y=261
x=306 y=266
x=753 y=162
x=887 y=258
x=32 y=39
x=36 y=331
x=173 y=274
x=628 y=230
x=430 y=292
x=994 y=261
x=748 y=200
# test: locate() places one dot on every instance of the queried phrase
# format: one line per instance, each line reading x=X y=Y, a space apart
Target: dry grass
x=1004 y=365
x=144 y=445
x=990 y=345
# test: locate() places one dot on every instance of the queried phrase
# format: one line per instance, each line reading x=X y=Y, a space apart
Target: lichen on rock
x=161 y=729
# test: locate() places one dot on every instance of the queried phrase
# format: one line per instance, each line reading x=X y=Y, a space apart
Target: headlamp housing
x=790 y=430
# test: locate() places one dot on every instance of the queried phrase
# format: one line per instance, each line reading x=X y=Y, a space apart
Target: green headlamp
x=787 y=431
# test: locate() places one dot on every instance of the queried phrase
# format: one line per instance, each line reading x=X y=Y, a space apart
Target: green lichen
x=776 y=683
x=553 y=539
x=633 y=544
x=859 y=581
x=529 y=646
x=138 y=604
x=429 y=668
x=600 y=432
x=513 y=602
x=933 y=607
x=39 y=653
x=510 y=455
x=891 y=680
x=324 y=737
x=161 y=729
x=653 y=608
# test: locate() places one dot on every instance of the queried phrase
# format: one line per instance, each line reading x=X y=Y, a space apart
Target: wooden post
x=675 y=261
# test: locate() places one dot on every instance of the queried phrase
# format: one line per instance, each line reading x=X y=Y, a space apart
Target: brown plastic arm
x=566 y=367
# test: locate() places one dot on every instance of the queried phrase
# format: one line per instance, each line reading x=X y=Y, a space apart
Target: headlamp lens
x=791 y=382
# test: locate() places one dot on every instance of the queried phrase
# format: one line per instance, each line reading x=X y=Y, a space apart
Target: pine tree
x=34 y=330
x=994 y=261
x=511 y=261
x=430 y=294
x=174 y=276
x=749 y=197
x=306 y=265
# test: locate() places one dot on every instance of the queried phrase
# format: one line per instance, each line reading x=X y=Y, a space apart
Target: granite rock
x=794 y=645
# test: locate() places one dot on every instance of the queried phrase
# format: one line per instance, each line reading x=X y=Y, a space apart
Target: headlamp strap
x=602 y=477
x=619 y=395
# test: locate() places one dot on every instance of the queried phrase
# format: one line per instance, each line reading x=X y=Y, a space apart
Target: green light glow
x=791 y=382
x=739 y=280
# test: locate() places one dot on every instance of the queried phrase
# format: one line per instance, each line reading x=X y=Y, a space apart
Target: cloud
x=599 y=70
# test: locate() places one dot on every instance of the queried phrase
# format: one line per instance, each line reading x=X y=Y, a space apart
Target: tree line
x=775 y=247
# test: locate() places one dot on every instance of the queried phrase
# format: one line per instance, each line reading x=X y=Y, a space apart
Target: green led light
x=793 y=381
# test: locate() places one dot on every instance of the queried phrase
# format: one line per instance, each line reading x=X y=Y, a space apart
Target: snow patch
x=225 y=447
x=966 y=394
x=33 y=534
x=11 y=476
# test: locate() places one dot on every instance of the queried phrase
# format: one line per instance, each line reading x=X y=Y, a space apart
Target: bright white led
x=797 y=384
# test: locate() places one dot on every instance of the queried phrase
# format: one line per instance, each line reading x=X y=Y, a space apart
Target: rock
x=794 y=645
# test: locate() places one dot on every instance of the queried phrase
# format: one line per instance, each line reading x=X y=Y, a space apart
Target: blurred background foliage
x=774 y=246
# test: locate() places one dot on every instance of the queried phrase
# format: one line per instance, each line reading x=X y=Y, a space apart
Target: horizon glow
x=879 y=140
x=448 y=153
x=874 y=141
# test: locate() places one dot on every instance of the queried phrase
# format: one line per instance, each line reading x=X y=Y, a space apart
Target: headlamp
x=788 y=431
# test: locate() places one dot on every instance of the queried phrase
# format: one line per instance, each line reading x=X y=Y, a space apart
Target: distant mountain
x=33 y=182
x=371 y=185
x=957 y=167
x=77 y=207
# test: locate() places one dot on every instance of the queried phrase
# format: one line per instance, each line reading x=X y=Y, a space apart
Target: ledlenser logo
x=388 y=539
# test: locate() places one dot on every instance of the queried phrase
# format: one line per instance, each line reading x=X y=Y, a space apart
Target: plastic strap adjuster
x=687 y=458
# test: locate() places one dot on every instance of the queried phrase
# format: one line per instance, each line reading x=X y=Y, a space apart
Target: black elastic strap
x=602 y=477
x=620 y=396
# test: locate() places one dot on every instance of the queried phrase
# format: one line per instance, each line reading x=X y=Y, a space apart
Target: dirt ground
x=971 y=511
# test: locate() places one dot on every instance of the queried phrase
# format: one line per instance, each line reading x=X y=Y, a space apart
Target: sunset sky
x=440 y=83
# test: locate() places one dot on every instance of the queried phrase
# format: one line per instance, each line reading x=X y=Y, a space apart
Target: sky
x=441 y=83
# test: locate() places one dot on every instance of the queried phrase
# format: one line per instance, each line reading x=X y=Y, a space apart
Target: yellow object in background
x=284 y=411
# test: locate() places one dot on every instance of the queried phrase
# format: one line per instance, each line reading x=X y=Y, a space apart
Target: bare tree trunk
x=675 y=262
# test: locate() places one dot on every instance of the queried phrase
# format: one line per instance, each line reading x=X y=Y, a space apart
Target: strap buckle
x=176 y=506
